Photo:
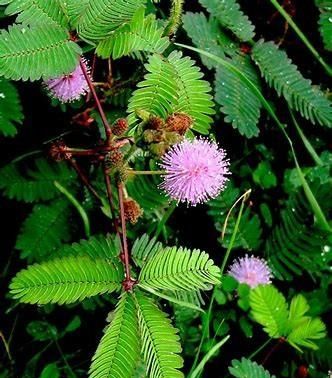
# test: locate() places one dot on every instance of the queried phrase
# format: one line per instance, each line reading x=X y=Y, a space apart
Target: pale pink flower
x=251 y=270
x=67 y=88
x=196 y=171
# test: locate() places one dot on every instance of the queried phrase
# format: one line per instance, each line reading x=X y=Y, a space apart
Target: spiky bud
x=120 y=127
x=159 y=149
x=155 y=123
x=179 y=122
x=58 y=151
x=132 y=210
x=114 y=159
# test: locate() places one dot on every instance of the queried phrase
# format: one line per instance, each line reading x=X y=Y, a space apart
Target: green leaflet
x=295 y=244
x=10 y=109
x=44 y=231
x=248 y=369
x=141 y=34
x=206 y=34
x=65 y=280
x=38 y=12
x=283 y=76
x=173 y=84
x=36 y=52
x=269 y=308
x=179 y=269
x=230 y=16
x=38 y=182
x=102 y=17
x=239 y=104
x=325 y=24
x=119 y=349
x=160 y=342
x=100 y=246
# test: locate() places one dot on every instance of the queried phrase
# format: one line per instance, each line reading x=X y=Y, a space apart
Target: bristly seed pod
x=132 y=210
x=114 y=159
x=155 y=123
x=58 y=152
x=120 y=127
x=179 y=122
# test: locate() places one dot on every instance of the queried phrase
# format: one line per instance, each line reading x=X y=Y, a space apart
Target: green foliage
x=269 y=309
x=10 y=108
x=248 y=369
x=325 y=24
x=283 y=76
x=141 y=34
x=249 y=232
x=144 y=249
x=230 y=16
x=119 y=349
x=143 y=189
x=37 y=184
x=37 y=12
x=44 y=231
x=295 y=245
x=179 y=269
x=96 y=247
x=66 y=280
x=160 y=342
x=174 y=84
x=205 y=34
x=240 y=105
x=31 y=53
x=101 y=17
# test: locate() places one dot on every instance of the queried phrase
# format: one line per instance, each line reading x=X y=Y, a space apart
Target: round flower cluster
x=196 y=171
x=251 y=270
x=68 y=88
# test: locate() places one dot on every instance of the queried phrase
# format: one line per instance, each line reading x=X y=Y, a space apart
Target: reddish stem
x=110 y=198
x=107 y=127
x=128 y=283
x=280 y=342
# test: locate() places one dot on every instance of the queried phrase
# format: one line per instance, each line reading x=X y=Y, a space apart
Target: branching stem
x=107 y=127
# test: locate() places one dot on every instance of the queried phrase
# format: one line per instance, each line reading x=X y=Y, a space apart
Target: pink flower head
x=69 y=87
x=196 y=170
x=251 y=270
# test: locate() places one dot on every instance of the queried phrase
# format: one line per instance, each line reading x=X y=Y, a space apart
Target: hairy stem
x=107 y=127
x=175 y=17
x=128 y=282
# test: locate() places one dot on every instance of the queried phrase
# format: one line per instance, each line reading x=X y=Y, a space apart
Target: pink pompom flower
x=68 y=88
x=252 y=271
x=196 y=171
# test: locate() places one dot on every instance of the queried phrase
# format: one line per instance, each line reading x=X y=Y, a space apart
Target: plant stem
x=227 y=254
x=145 y=173
x=128 y=282
x=107 y=127
x=259 y=349
x=175 y=17
x=165 y=218
x=110 y=201
x=78 y=207
x=207 y=357
x=302 y=36
x=280 y=342
x=70 y=370
x=306 y=142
